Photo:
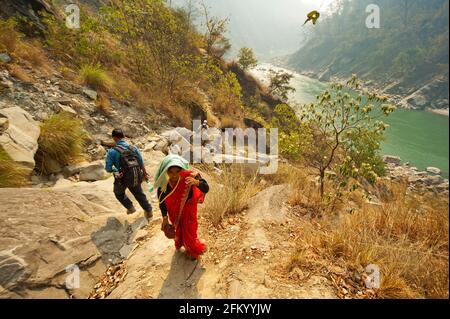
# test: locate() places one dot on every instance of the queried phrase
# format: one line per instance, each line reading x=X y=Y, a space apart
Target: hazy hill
x=408 y=55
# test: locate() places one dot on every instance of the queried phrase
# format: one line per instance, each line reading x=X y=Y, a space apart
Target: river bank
x=443 y=112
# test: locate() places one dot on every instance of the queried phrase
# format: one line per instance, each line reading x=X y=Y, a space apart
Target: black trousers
x=138 y=193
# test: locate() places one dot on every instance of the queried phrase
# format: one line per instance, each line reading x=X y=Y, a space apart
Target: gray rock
x=90 y=93
x=390 y=159
x=66 y=109
x=433 y=180
x=37 y=244
x=69 y=87
x=184 y=132
x=12 y=270
x=162 y=145
x=64 y=101
x=5 y=58
x=175 y=149
x=418 y=100
x=71 y=170
x=20 y=138
x=415 y=179
x=175 y=137
x=93 y=172
x=96 y=152
x=52 y=166
x=442 y=187
x=149 y=147
x=434 y=170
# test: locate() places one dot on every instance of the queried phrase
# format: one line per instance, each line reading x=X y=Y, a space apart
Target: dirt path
x=245 y=259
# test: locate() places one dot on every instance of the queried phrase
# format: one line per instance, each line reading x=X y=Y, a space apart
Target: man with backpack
x=126 y=163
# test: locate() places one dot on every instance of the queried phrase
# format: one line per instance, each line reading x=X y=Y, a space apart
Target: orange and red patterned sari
x=186 y=231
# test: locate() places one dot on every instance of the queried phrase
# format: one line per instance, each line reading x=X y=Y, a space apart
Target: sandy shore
x=444 y=112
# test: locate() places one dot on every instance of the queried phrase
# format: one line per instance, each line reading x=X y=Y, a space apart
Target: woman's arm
x=202 y=185
x=162 y=206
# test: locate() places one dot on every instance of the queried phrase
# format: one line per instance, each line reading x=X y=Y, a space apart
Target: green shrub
x=12 y=174
x=94 y=76
x=62 y=139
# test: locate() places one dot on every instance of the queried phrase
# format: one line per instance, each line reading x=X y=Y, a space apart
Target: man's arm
x=109 y=166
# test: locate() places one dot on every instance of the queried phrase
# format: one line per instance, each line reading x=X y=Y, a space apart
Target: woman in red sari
x=183 y=187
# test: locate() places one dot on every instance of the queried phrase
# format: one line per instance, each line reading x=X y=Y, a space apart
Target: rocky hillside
x=407 y=57
x=268 y=236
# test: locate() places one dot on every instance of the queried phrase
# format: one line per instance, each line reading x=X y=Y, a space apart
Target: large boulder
x=5 y=58
x=389 y=159
x=90 y=93
x=162 y=145
x=434 y=170
x=45 y=232
x=19 y=135
x=93 y=172
x=52 y=166
x=186 y=133
x=97 y=152
x=433 y=180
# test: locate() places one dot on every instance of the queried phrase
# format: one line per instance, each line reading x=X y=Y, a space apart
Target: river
x=418 y=137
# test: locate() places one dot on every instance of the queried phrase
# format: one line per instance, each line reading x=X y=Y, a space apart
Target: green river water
x=418 y=137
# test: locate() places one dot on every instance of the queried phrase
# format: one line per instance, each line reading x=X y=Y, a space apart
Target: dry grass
x=104 y=104
x=62 y=139
x=406 y=237
x=127 y=90
x=33 y=53
x=231 y=122
x=95 y=77
x=9 y=37
x=19 y=73
x=230 y=193
x=68 y=73
x=12 y=174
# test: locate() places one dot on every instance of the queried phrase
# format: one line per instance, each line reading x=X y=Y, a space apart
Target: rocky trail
x=245 y=259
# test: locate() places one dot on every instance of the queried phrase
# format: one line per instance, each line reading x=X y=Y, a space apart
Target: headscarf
x=161 y=173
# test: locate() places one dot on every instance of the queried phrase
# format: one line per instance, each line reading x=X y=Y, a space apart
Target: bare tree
x=216 y=42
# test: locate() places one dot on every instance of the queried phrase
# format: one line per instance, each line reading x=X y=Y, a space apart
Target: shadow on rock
x=183 y=277
x=114 y=241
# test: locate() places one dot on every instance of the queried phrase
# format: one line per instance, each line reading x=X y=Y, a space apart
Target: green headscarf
x=161 y=173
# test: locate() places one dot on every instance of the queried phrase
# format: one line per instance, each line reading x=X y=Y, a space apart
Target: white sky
x=271 y=27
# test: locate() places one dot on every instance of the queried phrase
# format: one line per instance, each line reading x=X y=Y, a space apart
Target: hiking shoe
x=148 y=214
x=131 y=211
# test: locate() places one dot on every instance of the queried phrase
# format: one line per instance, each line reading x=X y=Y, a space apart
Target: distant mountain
x=408 y=56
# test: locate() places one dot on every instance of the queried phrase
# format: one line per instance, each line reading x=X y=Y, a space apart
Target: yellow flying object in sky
x=312 y=16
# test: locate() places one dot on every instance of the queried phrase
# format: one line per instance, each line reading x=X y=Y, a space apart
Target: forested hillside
x=407 y=55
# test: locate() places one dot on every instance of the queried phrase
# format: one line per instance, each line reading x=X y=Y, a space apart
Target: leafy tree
x=160 y=39
x=247 y=58
x=279 y=84
x=294 y=136
x=225 y=91
x=346 y=132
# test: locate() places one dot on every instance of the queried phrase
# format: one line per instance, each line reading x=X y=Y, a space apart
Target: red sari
x=186 y=232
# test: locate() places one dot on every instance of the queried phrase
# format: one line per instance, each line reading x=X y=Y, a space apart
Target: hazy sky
x=271 y=27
